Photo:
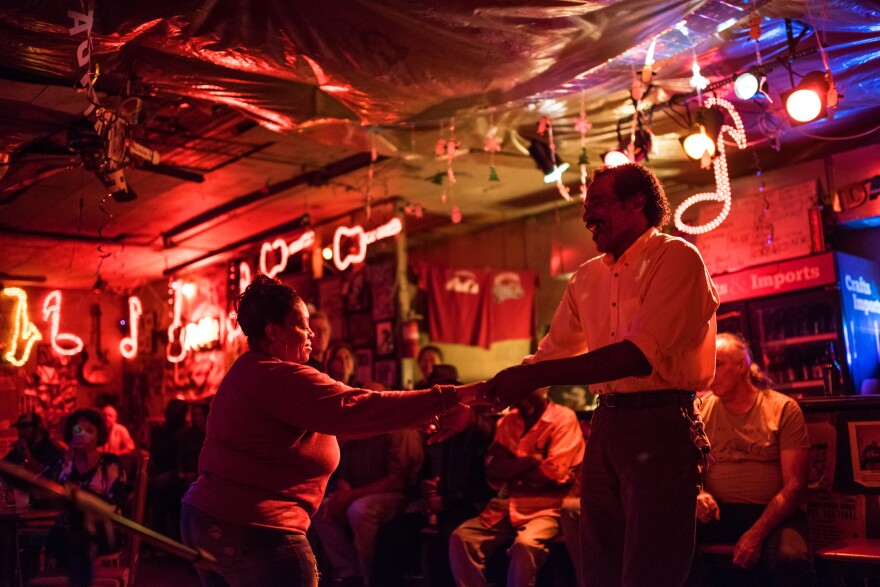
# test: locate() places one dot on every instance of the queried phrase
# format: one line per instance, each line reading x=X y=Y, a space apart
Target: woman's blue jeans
x=248 y=555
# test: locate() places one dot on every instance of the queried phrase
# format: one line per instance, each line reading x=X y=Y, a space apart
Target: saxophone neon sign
x=390 y=228
x=23 y=329
x=722 y=179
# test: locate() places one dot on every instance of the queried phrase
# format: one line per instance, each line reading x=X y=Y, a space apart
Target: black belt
x=646 y=399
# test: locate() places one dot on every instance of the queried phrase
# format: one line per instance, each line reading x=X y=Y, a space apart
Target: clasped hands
x=503 y=390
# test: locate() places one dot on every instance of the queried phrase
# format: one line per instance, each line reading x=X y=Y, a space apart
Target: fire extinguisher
x=411 y=338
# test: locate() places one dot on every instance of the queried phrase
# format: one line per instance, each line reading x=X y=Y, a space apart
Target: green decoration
x=493 y=174
x=582 y=160
x=438 y=177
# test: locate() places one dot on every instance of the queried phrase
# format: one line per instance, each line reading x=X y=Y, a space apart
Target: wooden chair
x=116 y=570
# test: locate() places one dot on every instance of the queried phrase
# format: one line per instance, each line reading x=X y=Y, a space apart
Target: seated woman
x=100 y=473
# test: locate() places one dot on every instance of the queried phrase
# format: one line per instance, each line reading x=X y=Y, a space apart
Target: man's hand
x=707 y=508
x=747 y=551
x=473 y=394
x=451 y=423
x=509 y=386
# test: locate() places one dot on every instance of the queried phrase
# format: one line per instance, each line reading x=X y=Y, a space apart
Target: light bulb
x=698 y=143
x=557 y=172
x=745 y=86
x=327 y=253
x=615 y=158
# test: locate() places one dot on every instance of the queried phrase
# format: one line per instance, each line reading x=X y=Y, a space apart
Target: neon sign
x=305 y=240
x=24 y=329
x=722 y=179
x=52 y=314
x=128 y=346
x=233 y=328
x=176 y=332
x=390 y=228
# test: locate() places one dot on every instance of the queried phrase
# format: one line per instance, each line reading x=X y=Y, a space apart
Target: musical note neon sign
x=722 y=179
x=305 y=240
x=390 y=228
x=24 y=329
x=128 y=346
x=52 y=314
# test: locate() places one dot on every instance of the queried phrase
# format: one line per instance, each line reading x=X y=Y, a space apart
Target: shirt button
x=617 y=275
x=613 y=304
x=612 y=334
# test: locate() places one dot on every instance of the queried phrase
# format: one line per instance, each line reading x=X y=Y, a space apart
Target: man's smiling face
x=615 y=224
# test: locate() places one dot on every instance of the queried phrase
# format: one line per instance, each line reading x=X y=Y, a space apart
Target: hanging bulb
x=455 y=215
x=697 y=144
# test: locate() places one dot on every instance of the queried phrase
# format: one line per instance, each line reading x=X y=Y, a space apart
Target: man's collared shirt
x=657 y=295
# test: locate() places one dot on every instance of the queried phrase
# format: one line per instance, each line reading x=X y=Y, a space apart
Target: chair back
x=138 y=505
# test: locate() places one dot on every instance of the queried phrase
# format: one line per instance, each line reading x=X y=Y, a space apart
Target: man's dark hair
x=265 y=301
x=430 y=347
x=91 y=416
x=632 y=179
x=175 y=412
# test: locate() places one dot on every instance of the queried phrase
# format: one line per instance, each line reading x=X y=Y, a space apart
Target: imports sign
x=776 y=278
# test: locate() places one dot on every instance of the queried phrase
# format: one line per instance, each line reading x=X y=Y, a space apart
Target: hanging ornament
x=755 y=27
x=647 y=69
x=368 y=195
x=582 y=125
x=492 y=145
x=698 y=81
x=452 y=147
x=493 y=174
x=455 y=215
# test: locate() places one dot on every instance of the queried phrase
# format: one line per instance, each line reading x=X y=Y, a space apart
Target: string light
x=722 y=192
x=52 y=314
x=24 y=329
x=128 y=346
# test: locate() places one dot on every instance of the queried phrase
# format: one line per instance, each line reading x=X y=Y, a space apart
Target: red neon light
x=176 y=332
x=52 y=314
x=305 y=240
x=24 y=329
x=390 y=228
x=128 y=346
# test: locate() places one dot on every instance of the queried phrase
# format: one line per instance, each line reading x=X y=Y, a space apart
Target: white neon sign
x=24 y=329
x=128 y=346
x=305 y=240
x=52 y=314
x=390 y=228
x=176 y=332
x=722 y=179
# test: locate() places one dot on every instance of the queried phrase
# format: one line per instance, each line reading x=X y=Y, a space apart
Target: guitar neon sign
x=24 y=329
x=176 y=332
x=52 y=314
x=128 y=346
x=390 y=228
x=305 y=240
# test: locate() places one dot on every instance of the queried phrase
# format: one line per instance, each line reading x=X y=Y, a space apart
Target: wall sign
x=52 y=314
x=305 y=240
x=390 y=228
x=128 y=346
x=23 y=329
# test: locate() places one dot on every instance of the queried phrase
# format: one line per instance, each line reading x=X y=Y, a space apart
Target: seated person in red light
x=754 y=490
x=534 y=462
x=33 y=450
x=119 y=440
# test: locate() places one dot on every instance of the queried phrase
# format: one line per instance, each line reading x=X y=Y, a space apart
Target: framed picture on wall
x=864 y=450
x=363 y=368
x=384 y=338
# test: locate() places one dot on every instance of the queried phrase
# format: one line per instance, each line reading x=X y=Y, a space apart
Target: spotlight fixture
x=751 y=83
x=553 y=168
x=704 y=133
x=808 y=100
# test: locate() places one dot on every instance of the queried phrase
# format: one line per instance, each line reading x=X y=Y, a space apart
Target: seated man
x=374 y=481
x=753 y=492
x=533 y=461
x=33 y=450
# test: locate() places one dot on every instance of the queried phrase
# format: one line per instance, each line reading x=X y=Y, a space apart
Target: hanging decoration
x=368 y=195
x=722 y=179
x=582 y=125
x=52 y=315
x=23 y=329
x=647 y=68
x=492 y=145
x=128 y=346
x=545 y=126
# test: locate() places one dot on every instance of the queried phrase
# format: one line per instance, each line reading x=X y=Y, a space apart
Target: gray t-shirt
x=747 y=447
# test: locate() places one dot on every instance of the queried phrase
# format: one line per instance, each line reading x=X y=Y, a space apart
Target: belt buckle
x=608 y=400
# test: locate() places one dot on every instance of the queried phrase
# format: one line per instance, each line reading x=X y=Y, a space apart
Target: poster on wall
x=823 y=455
x=864 y=446
x=51 y=391
x=762 y=227
x=833 y=517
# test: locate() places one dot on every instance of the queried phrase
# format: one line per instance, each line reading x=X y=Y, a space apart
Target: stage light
x=615 y=158
x=327 y=253
x=553 y=167
x=807 y=101
x=745 y=86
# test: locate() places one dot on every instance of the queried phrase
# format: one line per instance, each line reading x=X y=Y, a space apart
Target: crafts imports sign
x=776 y=278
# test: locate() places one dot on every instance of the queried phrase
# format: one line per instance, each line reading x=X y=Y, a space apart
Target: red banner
x=776 y=278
